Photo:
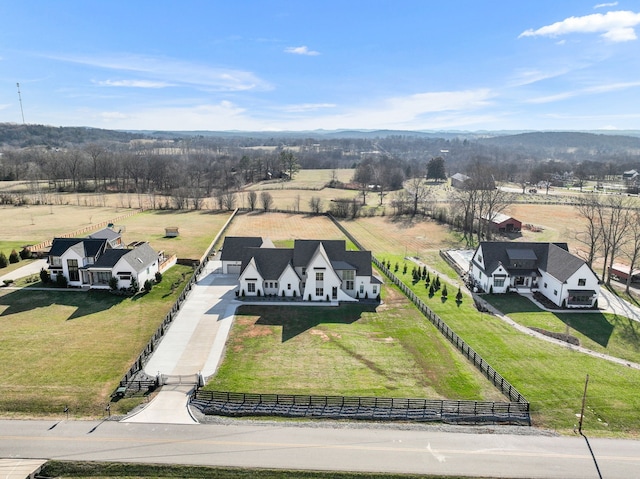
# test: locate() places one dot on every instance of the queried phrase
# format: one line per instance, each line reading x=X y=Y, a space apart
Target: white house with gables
x=92 y=261
x=549 y=268
x=313 y=270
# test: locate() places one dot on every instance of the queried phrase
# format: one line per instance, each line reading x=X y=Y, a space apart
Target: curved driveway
x=192 y=345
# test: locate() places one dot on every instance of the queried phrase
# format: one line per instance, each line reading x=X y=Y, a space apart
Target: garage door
x=233 y=269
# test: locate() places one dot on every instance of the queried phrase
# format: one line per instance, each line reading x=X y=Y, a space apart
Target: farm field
x=71 y=348
x=197 y=230
x=35 y=224
x=283 y=226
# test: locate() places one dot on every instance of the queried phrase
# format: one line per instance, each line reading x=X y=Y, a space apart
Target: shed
x=171 y=232
x=502 y=223
x=620 y=272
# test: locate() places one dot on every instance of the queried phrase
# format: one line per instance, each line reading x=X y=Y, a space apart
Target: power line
x=20 y=98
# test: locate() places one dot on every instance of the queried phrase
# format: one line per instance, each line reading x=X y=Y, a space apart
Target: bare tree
x=418 y=191
x=315 y=203
x=614 y=219
x=266 y=200
x=589 y=206
x=229 y=200
x=632 y=247
x=252 y=198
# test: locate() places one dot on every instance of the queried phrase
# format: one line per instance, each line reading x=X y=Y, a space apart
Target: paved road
x=275 y=445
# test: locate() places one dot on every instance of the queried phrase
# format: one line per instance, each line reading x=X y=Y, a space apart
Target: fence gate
x=178 y=379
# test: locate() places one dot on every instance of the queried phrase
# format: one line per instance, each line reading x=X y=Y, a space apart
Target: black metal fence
x=129 y=379
x=360 y=408
x=501 y=383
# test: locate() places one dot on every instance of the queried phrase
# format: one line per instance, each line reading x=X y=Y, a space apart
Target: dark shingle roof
x=554 y=258
x=233 y=246
x=270 y=262
x=85 y=247
x=60 y=245
x=109 y=258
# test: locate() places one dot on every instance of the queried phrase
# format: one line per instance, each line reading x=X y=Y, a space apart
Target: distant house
x=548 y=268
x=501 y=223
x=92 y=261
x=459 y=180
x=313 y=270
x=463 y=182
x=630 y=175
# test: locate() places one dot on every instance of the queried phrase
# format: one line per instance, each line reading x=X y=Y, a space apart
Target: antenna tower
x=20 y=98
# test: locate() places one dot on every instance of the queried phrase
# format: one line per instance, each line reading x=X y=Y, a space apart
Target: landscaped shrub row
x=14 y=257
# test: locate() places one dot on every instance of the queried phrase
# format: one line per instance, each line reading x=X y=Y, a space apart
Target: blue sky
x=305 y=65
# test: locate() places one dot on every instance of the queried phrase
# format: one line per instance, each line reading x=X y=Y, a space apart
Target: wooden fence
x=360 y=408
x=78 y=232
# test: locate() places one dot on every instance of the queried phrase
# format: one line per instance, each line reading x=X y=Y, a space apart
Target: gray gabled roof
x=84 y=247
x=497 y=253
x=303 y=250
x=554 y=258
x=336 y=252
x=271 y=262
x=109 y=258
x=561 y=264
x=141 y=257
x=233 y=246
x=105 y=233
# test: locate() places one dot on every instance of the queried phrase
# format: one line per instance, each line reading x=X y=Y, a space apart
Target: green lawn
x=602 y=332
x=551 y=377
x=71 y=348
x=353 y=350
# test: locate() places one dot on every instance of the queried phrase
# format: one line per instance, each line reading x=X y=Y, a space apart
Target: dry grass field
x=34 y=224
x=197 y=230
x=283 y=227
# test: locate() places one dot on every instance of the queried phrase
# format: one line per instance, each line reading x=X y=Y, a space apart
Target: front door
x=334 y=293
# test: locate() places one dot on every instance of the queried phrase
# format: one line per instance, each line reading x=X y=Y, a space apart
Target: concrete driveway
x=27 y=270
x=193 y=345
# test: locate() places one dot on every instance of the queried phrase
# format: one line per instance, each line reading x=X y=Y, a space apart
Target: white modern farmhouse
x=94 y=260
x=549 y=268
x=313 y=270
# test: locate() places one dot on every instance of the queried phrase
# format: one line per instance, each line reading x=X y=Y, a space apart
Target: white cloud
x=613 y=26
x=303 y=50
x=175 y=72
x=606 y=5
x=307 y=107
x=585 y=91
x=133 y=83
x=527 y=77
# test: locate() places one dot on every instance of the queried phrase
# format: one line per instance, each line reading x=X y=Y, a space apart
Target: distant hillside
x=21 y=136
x=565 y=141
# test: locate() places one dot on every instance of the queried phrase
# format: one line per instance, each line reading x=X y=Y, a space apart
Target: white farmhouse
x=548 y=268
x=313 y=270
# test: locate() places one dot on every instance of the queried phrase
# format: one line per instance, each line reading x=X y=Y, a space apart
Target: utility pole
x=584 y=400
x=20 y=98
